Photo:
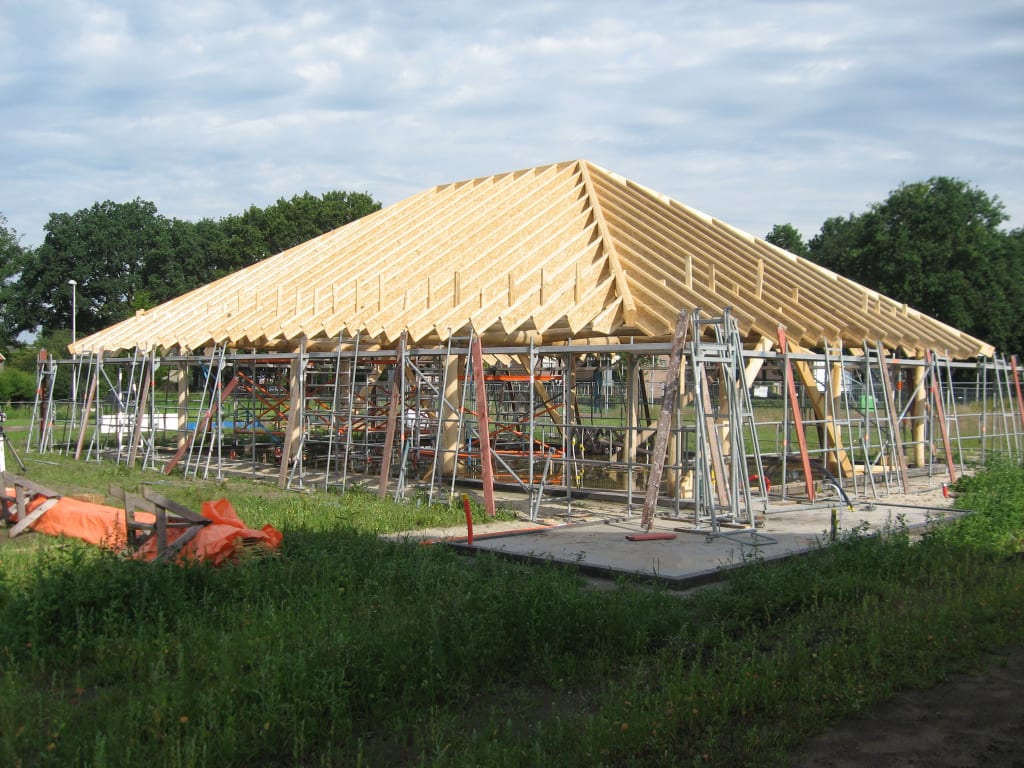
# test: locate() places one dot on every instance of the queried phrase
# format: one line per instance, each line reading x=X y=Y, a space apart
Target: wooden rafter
x=561 y=251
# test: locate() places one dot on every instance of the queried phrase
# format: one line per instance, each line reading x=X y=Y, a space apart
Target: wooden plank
x=137 y=533
x=835 y=438
x=175 y=546
x=940 y=411
x=20 y=501
x=650 y=536
x=1016 y=385
x=894 y=418
x=394 y=408
x=38 y=512
x=295 y=408
x=483 y=424
x=668 y=408
x=93 y=386
x=201 y=426
x=608 y=242
x=160 y=526
x=24 y=483
x=714 y=441
x=179 y=509
x=140 y=410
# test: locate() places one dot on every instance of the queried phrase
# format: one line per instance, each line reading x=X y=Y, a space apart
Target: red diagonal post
x=933 y=388
x=798 y=421
x=201 y=425
x=1016 y=383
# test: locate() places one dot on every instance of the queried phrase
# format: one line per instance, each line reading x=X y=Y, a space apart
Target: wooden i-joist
x=16 y=493
x=167 y=515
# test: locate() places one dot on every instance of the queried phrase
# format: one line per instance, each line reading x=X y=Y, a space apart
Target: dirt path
x=973 y=720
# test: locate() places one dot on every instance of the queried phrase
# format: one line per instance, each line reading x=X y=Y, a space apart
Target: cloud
x=757 y=113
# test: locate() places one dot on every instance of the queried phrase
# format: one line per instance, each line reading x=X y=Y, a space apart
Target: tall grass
x=344 y=649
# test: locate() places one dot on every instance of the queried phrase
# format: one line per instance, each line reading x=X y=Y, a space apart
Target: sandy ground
x=972 y=720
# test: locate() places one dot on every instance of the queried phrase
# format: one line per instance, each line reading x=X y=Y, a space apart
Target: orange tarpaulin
x=105 y=526
x=94 y=523
x=218 y=541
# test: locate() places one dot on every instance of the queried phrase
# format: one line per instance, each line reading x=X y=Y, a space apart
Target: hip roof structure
x=546 y=254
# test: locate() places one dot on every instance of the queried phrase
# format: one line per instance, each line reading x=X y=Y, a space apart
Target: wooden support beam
x=668 y=407
x=894 y=418
x=919 y=412
x=27 y=520
x=140 y=410
x=940 y=413
x=201 y=426
x=1016 y=385
x=182 y=404
x=167 y=516
x=24 y=491
x=483 y=424
x=394 y=413
x=295 y=406
x=755 y=364
x=541 y=390
x=714 y=442
x=608 y=244
x=93 y=386
x=449 y=408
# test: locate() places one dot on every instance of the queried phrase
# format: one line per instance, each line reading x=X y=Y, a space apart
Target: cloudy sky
x=753 y=111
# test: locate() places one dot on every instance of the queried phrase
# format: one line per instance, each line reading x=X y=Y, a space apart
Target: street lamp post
x=74 y=338
x=73 y=284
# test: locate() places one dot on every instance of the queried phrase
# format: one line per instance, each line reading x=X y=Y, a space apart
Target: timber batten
x=350 y=352
x=568 y=250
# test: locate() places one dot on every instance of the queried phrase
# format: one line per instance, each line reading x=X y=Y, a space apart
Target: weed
x=349 y=650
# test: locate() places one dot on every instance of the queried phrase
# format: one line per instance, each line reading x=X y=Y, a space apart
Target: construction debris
x=149 y=527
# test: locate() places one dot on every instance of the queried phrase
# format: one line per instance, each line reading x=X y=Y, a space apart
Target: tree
x=261 y=232
x=12 y=261
x=112 y=250
x=935 y=245
x=788 y=237
x=16 y=386
x=126 y=256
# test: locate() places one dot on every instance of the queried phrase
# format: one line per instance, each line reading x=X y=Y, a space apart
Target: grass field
x=346 y=650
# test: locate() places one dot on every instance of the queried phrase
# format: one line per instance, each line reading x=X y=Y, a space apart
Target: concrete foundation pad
x=598 y=543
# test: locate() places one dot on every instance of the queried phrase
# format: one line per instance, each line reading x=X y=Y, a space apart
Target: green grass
x=346 y=650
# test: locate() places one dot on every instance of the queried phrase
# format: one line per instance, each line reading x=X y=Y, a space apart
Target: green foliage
x=996 y=500
x=126 y=256
x=239 y=241
x=937 y=246
x=24 y=359
x=788 y=237
x=109 y=249
x=16 y=385
x=346 y=649
x=12 y=257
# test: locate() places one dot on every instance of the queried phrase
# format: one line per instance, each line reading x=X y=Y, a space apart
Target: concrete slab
x=597 y=542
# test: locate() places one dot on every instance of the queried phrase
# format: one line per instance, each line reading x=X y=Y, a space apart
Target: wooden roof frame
x=568 y=250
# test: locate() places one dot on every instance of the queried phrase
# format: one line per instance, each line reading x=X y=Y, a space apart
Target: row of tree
x=127 y=256
x=937 y=245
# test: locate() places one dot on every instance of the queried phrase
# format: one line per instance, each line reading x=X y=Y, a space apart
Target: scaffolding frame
x=553 y=432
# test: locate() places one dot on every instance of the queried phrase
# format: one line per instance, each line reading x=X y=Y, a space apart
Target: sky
x=755 y=112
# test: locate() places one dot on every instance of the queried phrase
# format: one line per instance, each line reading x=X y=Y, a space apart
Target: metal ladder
x=722 y=475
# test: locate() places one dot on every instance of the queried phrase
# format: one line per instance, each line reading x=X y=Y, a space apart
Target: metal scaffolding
x=558 y=421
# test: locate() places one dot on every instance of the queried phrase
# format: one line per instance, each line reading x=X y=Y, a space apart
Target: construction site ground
x=595 y=535
x=975 y=719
